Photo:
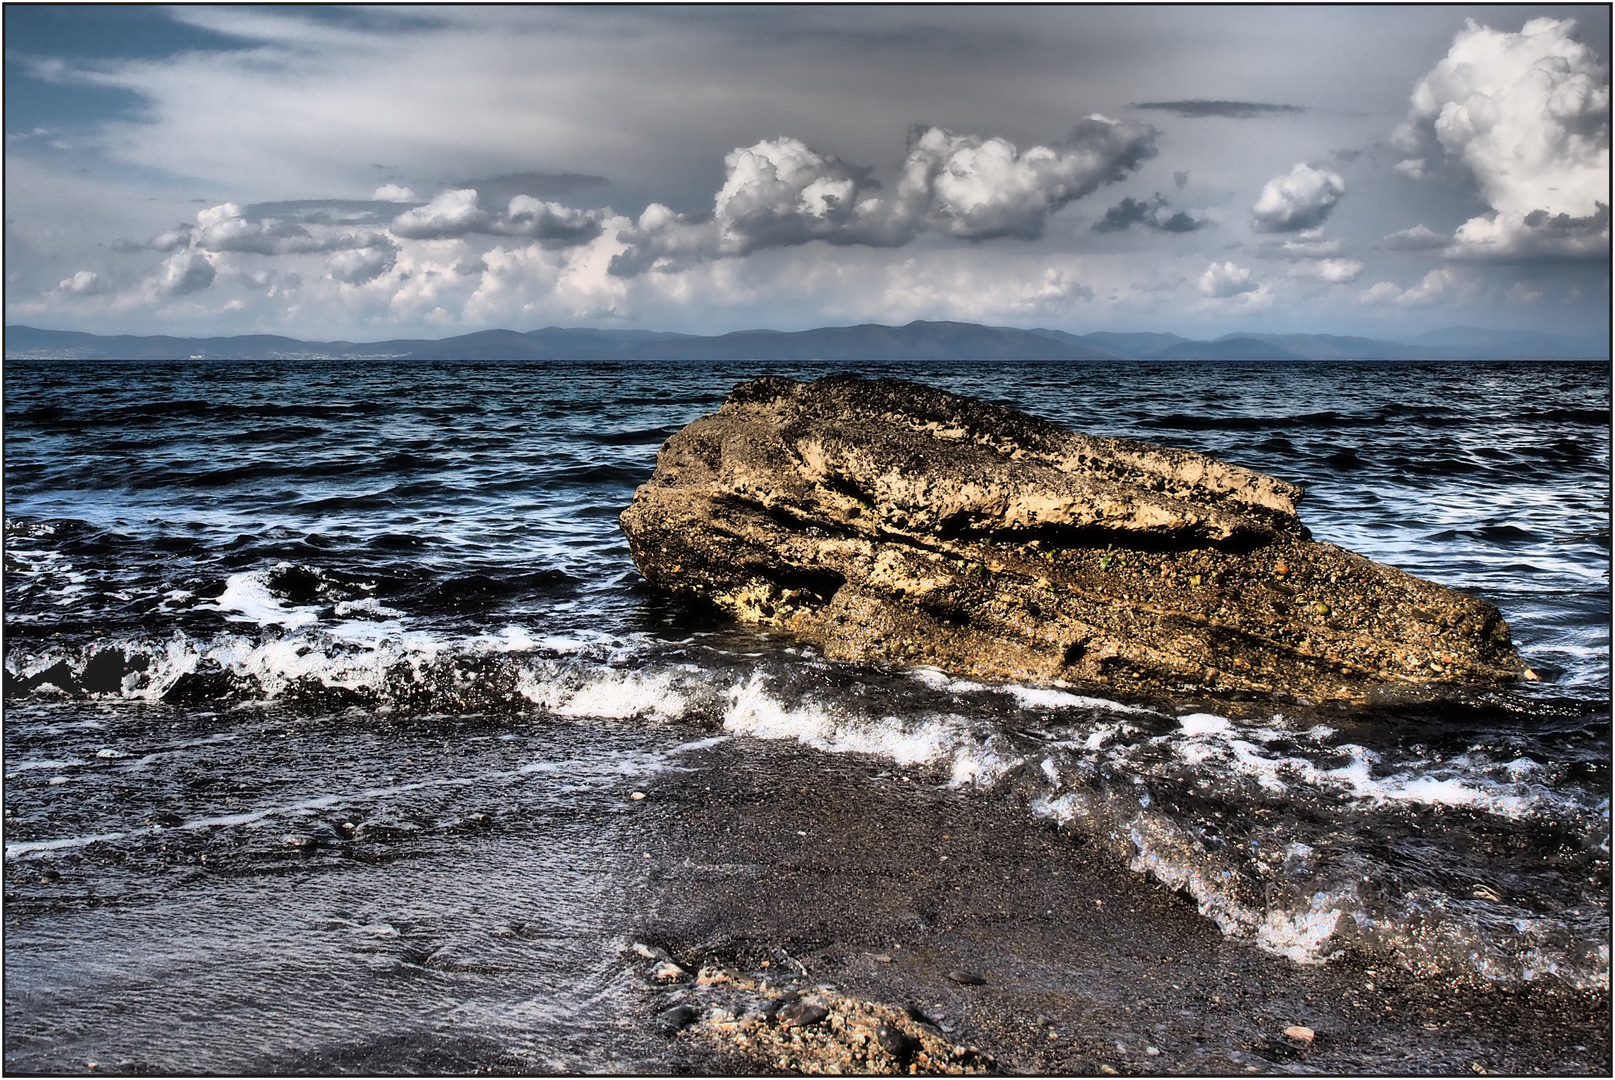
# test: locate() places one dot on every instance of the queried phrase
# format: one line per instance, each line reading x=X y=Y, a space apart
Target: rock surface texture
x=885 y=521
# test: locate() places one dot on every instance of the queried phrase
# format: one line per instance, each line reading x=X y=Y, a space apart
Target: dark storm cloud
x=1151 y=213
x=1231 y=110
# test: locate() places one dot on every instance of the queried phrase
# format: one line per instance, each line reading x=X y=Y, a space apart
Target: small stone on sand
x=677 y=1018
x=967 y=978
x=667 y=972
x=799 y=1014
x=1300 y=1033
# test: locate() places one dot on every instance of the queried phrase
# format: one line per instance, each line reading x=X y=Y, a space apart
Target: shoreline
x=1088 y=966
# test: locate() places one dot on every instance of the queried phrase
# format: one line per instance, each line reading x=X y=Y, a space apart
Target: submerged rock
x=889 y=522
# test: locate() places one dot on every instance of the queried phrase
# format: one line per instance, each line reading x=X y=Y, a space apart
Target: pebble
x=1300 y=1033
x=667 y=972
x=637 y=796
x=677 y=1018
x=881 y=958
x=897 y=1043
x=967 y=978
x=800 y=1014
x=301 y=841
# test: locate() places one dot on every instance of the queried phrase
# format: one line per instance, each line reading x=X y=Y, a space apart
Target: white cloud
x=455 y=214
x=173 y=239
x=1310 y=244
x=1527 y=114
x=1222 y=280
x=183 y=273
x=1334 y=271
x=393 y=193
x=1300 y=199
x=225 y=227
x=82 y=282
x=359 y=265
x=1417 y=238
x=548 y=222
x=1381 y=292
x=978 y=188
x=449 y=214
x=780 y=192
x=1438 y=284
x=1536 y=235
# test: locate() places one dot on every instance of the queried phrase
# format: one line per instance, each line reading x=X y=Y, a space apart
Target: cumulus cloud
x=360 y=265
x=1300 y=199
x=183 y=273
x=1151 y=213
x=450 y=214
x=173 y=239
x=1436 y=285
x=780 y=192
x=226 y=227
x=1527 y=114
x=1333 y=271
x=82 y=282
x=393 y=193
x=1222 y=280
x=1536 y=235
x=1417 y=238
x=981 y=188
x=454 y=214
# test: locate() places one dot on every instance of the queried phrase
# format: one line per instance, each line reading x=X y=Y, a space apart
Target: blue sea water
x=258 y=610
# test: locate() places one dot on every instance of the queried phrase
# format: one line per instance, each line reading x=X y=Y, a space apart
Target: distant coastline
x=918 y=340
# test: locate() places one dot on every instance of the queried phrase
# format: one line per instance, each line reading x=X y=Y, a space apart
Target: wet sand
x=808 y=869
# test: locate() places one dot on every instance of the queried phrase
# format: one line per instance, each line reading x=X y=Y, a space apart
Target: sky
x=370 y=173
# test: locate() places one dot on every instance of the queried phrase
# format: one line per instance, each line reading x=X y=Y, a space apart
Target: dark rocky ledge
x=886 y=521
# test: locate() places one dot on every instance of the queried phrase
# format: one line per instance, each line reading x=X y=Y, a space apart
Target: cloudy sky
x=370 y=173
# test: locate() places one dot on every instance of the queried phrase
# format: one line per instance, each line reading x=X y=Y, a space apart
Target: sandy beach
x=823 y=866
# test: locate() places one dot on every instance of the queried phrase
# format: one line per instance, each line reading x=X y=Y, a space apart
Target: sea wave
x=1286 y=830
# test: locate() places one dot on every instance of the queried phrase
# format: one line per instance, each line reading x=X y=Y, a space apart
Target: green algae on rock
x=890 y=522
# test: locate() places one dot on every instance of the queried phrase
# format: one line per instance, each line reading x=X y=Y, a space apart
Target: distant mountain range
x=916 y=341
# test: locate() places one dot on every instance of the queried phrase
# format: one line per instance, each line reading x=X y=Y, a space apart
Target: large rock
x=886 y=521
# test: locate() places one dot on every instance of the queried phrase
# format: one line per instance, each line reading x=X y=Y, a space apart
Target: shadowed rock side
x=886 y=521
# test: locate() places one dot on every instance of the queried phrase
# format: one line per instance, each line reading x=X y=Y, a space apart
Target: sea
x=329 y=684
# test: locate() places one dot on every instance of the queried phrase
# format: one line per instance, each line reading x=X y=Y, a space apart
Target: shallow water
x=318 y=672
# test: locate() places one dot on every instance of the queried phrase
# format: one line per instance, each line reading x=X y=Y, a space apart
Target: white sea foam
x=1040 y=697
x=247 y=598
x=754 y=711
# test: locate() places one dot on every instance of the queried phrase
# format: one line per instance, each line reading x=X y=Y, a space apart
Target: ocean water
x=335 y=674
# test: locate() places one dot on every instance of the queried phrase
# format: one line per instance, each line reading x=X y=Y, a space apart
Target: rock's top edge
x=845 y=400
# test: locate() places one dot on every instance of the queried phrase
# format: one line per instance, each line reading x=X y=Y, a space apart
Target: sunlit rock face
x=885 y=521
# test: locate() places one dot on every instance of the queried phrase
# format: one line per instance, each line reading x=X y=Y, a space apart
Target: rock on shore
x=890 y=522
